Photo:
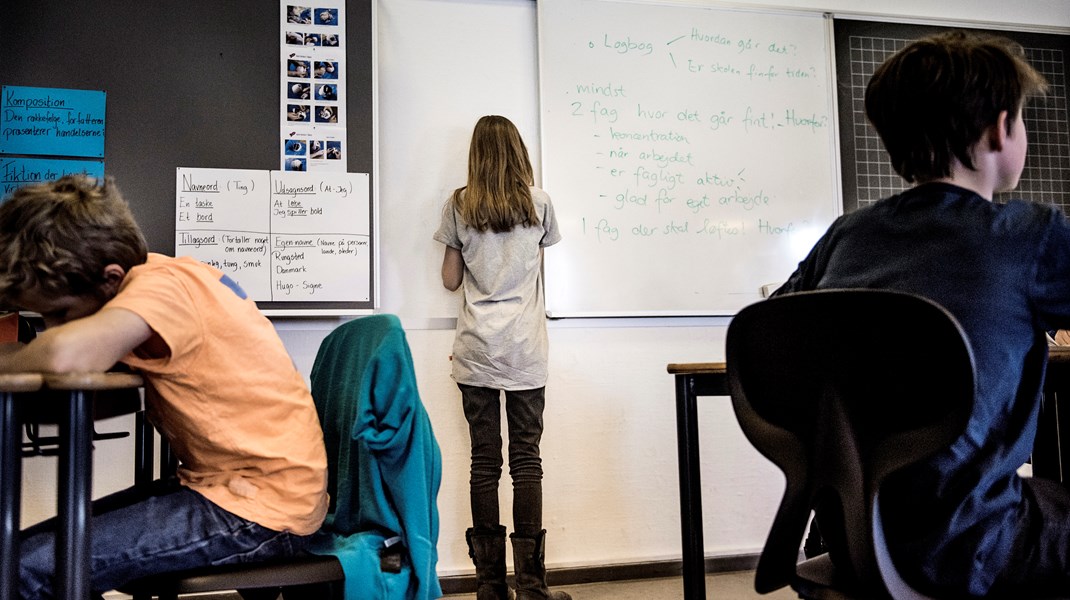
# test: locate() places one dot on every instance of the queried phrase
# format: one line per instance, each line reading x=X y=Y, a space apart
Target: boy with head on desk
x=949 y=110
x=220 y=387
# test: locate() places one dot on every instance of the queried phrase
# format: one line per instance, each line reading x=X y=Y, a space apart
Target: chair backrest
x=839 y=388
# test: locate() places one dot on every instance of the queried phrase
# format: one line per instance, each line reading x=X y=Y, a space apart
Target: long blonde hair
x=498 y=196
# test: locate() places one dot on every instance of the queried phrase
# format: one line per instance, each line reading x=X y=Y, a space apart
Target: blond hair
x=498 y=194
x=59 y=236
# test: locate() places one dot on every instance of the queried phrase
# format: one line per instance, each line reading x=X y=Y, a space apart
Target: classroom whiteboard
x=690 y=153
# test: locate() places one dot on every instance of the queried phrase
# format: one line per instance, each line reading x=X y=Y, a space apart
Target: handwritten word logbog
x=282 y=236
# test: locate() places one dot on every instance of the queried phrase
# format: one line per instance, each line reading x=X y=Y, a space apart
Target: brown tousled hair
x=931 y=101
x=59 y=235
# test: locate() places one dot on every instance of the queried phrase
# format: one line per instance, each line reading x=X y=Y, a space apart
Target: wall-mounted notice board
x=690 y=153
x=290 y=239
x=204 y=93
x=867 y=173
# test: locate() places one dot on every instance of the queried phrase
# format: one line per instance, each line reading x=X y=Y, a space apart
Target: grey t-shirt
x=501 y=338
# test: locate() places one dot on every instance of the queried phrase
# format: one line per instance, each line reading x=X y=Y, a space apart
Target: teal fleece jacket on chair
x=384 y=463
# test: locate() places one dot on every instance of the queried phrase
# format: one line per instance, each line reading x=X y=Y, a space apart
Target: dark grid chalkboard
x=867 y=173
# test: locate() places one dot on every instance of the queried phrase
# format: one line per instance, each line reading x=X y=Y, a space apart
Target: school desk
x=74 y=402
x=1051 y=458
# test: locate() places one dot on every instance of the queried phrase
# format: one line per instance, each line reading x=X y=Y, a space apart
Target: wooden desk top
x=92 y=381
x=31 y=382
x=120 y=395
x=1056 y=355
x=710 y=368
x=21 y=382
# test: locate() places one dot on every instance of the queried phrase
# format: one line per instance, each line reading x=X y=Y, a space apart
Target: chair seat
x=302 y=570
x=818 y=579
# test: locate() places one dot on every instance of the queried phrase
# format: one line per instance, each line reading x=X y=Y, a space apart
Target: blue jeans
x=523 y=410
x=139 y=532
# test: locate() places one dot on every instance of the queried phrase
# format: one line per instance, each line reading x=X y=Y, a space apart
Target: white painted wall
x=609 y=451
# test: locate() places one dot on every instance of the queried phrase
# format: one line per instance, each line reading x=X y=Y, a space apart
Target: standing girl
x=495 y=229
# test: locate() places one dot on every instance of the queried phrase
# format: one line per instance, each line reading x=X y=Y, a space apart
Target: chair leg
x=814 y=544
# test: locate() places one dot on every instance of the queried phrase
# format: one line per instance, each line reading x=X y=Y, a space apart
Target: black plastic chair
x=838 y=409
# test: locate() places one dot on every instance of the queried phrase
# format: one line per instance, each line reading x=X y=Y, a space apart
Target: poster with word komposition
x=52 y=121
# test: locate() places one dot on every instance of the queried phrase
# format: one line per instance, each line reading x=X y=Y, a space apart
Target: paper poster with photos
x=312 y=99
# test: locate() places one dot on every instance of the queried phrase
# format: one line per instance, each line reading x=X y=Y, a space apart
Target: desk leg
x=1047 y=447
x=694 y=552
x=1062 y=418
x=10 y=494
x=75 y=479
x=144 y=449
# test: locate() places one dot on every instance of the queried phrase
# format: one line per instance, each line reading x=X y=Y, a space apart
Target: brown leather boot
x=529 y=562
x=487 y=549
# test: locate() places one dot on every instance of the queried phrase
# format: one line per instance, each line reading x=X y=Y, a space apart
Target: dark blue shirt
x=1004 y=272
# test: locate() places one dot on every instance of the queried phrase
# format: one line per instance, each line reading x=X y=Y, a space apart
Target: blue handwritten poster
x=51 y=121
x=17 y=172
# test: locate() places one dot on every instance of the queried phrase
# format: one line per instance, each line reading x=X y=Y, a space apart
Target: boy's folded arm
x=93 y=343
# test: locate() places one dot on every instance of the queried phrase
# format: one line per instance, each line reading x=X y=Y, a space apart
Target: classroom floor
x=737 y=585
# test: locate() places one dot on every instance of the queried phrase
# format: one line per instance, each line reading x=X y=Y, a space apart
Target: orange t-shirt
x=227 y=396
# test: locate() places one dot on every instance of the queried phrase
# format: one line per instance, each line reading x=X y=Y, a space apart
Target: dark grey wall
x=189 y=84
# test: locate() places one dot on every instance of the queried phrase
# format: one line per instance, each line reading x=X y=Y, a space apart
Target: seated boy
x=220 y=387
x=949 y=111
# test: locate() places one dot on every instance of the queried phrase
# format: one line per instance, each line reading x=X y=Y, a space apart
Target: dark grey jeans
x=523 y=409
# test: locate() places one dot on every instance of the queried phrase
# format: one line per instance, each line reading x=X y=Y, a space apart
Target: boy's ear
x=113 y=278
x=996 y=133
